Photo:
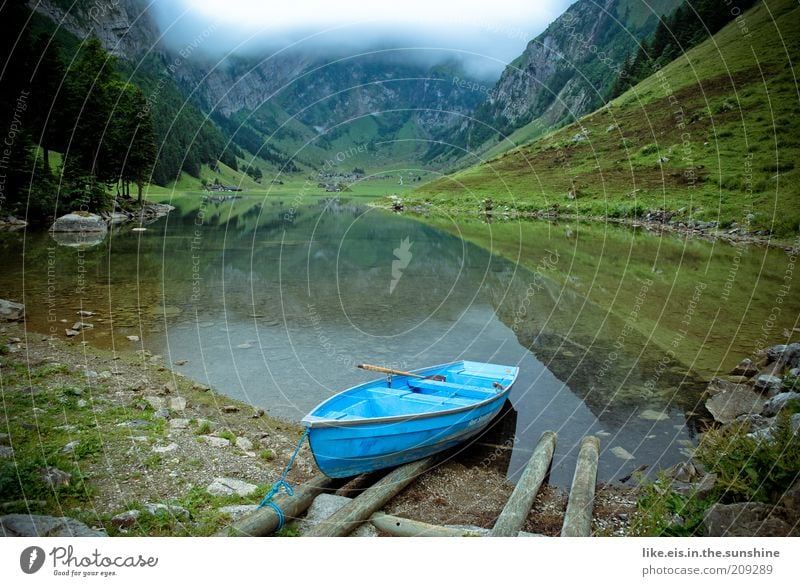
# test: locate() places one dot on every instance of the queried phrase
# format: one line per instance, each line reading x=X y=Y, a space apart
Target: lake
x=274 y=303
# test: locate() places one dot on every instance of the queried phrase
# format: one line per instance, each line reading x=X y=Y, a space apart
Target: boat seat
x=460 y=390
x=388 y=391
x=336 y=415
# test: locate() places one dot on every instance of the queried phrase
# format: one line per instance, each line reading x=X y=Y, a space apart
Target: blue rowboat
x=406 y=417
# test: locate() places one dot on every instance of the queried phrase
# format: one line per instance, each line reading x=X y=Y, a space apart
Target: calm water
x=275 y=306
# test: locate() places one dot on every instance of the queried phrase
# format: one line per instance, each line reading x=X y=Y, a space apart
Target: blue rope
x=282 y=484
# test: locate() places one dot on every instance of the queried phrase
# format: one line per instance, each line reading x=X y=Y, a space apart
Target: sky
x=485 y=34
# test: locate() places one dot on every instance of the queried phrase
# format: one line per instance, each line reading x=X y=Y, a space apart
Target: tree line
x=689 y=25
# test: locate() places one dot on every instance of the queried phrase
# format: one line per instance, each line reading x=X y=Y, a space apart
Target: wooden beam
x=400 y=527
x=578 y=518
x=519 y=505
x=348 y=518
x=265 y=520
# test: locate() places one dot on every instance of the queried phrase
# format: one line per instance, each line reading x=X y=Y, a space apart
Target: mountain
x=712 y=137
x=284 y=113
x=564 y=73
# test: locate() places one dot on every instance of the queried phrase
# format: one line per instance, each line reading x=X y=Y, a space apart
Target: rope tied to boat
x=282 y=484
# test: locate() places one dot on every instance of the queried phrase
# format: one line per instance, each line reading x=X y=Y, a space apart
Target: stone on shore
x=19 y=525
x=744 y=520
x=730 y=404
x=746 y=368
x=11 y=311
x=217 y=442
x=778 y=402
x=79 y=222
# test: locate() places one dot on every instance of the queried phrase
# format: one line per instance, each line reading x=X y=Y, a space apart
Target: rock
x=768 y=384
x=180 y=362
x=82 y=403
x=162 y=413
x=4 y=438
x=700 y=490
x=217 y=442
x=790 y=501
x=746 y=368
x=682 y=472
x=85 y=313
x=45 y=526
x=6 y=453
x=229 y=486
x=326 y=505
x=133 y=338
x=171 y=387
x=230 y=409
x=744 y=520
x=126 y=519
x=244 y=444
x=755 y=421
x=622 y=453
x=179 y=423
x=778 y=402
x=177 y=404
x=718 y=385
x=728 y=405
x=136 y=423
x=79 y=222
x=795 y=372
x=238 y=511
x=165 y=449
x=11 y=311
x=652 y=415
x=105 y=375
x=662 y=160
x=201 y=387
x=70 y=447
x=172 y=510
x=154 y=401
x=79 y=325
x=785 y=355
x=258 y=413
x=70 y=333
x=795 y=423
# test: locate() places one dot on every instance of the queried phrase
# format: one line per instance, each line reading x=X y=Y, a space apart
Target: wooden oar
x=385 y=370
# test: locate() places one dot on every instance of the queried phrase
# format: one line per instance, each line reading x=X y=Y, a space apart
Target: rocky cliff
x=567 y=70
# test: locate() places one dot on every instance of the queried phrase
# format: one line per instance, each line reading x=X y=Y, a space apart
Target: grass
x=748 y=469
x=724 y=114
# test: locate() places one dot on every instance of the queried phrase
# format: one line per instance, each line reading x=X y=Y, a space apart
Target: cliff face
x=124 y=27
x=567 y=70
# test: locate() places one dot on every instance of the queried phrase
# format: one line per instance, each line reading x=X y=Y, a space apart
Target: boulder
x=54 y=477
x=326 y=505
x=728 y=405
x=44 y=526
x=744 y=520
x=125 y=519
x=775 y=353
x=768 y=384
x=79 y=222
x=790 y=357
x=778 y=402
x=700 y=490
x=746 y=368
x=229 y=486
x=11 y=311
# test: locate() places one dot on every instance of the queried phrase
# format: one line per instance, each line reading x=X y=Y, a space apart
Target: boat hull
x=350 y=450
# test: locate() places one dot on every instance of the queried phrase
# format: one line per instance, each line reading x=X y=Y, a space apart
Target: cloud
x=485 y=34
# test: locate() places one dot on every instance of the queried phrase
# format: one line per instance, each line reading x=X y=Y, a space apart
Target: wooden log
x=578 y=518
x=265 y=520
x=519 y=505
x=348 y=518
x=400 y=527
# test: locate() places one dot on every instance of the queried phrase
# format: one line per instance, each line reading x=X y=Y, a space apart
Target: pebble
x=126 y=519
x=177 y=404
x=652 y=415
x=179 y=423
x=244 y=444
x=133 y=338
x=70 y=447
x=155 y=402
x=230 y=409
x=162 y=413
x=70 y=333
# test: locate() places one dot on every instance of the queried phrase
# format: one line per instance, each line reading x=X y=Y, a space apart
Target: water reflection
x=274 y=303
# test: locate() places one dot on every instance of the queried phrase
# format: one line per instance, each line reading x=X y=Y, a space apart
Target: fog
x=484 y=36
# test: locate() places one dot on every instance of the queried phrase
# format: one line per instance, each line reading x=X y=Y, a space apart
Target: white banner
x=228 y=561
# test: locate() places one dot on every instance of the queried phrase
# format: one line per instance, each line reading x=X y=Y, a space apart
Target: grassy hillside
x=714 y=135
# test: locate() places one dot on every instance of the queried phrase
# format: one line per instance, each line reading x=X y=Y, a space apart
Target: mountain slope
x=563 y=73
x=712 y=135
